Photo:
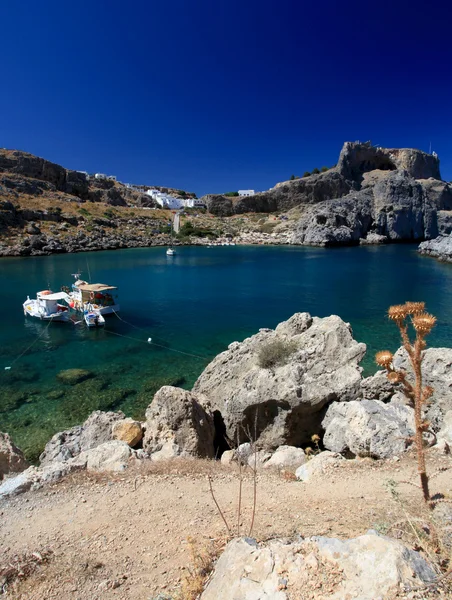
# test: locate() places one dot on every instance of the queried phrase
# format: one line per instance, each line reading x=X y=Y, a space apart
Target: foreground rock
x=319 y=465
x=96 y=430
x=440 y=247
x=177 y=425
x=12 y=459
x=111 y=456
x=321 y=367
x=128 y=430
x=287 y=457
x=368 y=428
x=367 y=567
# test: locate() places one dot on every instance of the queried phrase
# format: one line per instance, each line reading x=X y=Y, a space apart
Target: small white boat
x=47 y=306
x=93 y=316
x=175 y=228
x=170 y=252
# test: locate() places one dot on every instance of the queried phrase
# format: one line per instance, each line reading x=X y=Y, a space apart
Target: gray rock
x=12 y=459
x=373 y=239
x=377 y=387
x=444 y=218
x=287 y=399
x=111 y=456
x=178 y=424
x=36 y=477
x=318 y=465
x=356 y=158
x=248 y=571
x=368 y=428
x=287 y=457
x=65 y=445
x=445 y=433
x=440 y=247
x=437 y=373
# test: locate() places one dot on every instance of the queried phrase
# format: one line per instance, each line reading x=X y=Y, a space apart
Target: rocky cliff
x=373 y=195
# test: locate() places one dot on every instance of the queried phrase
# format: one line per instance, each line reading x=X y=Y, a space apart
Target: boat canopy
x=96 y=287
x=57 y=296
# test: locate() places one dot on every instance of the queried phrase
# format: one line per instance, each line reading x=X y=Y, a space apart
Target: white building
x=112 y=177
x=193 y=203
x=246 y=192
x=165 y=200
x=100 y=176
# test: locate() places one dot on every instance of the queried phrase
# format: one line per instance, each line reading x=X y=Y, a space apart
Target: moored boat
x=47 y=307
x=100 y=296
x=92 y=316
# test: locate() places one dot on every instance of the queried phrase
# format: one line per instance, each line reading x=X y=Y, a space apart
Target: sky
x=213 y=95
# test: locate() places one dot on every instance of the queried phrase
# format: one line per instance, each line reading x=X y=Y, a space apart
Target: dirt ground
x=126 y=536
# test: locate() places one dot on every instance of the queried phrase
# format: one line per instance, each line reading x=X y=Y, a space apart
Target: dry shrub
x=19 y=567
x=276 y=353
x=203 y=557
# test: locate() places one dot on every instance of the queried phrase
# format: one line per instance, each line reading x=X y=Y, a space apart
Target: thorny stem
x=239 y=509
x=218 y=506
x=254 y=477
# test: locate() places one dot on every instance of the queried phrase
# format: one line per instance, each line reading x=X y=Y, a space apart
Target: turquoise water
x=196 y=302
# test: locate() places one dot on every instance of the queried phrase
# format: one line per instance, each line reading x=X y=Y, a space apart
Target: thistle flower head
x=423 y=323
x=415 y=308
x=315 y=438
x=394 y=377
x=384 y=358
x=398 y=312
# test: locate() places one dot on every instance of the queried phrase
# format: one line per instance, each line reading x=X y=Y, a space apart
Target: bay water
x=192 y=306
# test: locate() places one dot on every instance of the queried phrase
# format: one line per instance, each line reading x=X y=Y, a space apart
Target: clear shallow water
x=196 y=302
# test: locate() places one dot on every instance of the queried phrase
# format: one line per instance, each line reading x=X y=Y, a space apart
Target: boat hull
x=31 y=310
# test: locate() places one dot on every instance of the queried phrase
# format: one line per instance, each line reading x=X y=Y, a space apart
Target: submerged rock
x=368 y=428
x=367 y=567
x=12 y=459
x=177 y=424
x=74 y=376
x=284 y=403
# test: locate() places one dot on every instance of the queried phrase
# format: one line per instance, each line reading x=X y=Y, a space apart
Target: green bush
x=267 y=227
x=306 y=174
x=323 y=169
x=233 y=194
x=84 y=212
x=276 y=353
x=315 y=171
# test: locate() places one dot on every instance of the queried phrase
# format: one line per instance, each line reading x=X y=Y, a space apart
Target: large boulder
x=12 y=459
x=96 y=430
x=110 y=456
x=287 y=457
x=367 y=567
x=282 y=403
x=368 y=428
x=318 y=465
x=437 y=373
x=177 y=424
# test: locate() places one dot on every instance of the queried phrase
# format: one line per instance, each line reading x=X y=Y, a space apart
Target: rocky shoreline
x=276 y=389
x=440 y=248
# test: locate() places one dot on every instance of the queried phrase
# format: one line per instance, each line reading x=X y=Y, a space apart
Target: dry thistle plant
x=403 y=315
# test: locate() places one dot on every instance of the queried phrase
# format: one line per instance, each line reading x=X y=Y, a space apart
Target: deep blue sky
x=215 y=95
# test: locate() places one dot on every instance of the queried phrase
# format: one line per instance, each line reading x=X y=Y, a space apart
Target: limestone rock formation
x=445 y=432
x=355 y=159
x=289 y=397
x=368 y=428
x=177 y=424
x=127 y=430
x=440 y=247
x=96 y=430
x=437 y=373
x=367 y=567
x=12 y=459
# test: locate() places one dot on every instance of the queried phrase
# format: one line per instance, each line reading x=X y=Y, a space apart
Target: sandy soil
x=127 y=536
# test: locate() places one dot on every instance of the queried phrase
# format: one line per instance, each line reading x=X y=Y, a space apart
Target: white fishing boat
x=103 y=298
x=175 y=227
x=47 y=306
x=93 y=316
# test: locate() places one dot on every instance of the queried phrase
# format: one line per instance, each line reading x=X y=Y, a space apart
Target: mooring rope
x=28 y=347
x=149 y=340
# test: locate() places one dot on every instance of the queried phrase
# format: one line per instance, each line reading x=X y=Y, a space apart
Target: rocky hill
x=373 y=195
x=45 y=208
